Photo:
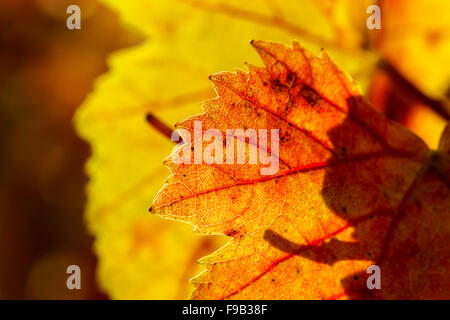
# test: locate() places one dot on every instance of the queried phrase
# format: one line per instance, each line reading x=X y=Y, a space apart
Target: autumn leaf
x=165 y=76
x=352 y=189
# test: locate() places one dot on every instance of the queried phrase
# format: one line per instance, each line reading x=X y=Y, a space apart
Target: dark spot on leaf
x=231 y=232
x=310 y=95
x=275 y=83
x=291 y=78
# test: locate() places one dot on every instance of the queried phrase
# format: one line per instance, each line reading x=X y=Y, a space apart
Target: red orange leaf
x=353 y=189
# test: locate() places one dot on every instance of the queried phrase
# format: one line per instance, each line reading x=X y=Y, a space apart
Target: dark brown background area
x=46 y=71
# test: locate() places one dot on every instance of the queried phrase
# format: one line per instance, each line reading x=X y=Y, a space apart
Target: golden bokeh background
x=45 y=73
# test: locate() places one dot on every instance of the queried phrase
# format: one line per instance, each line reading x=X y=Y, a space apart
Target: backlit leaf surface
x=166 y=75
x=353 y=189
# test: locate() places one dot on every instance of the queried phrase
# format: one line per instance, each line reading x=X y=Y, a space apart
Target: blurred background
x=46 y=71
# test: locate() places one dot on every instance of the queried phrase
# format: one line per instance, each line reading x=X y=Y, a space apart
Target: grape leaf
x=165 y=75
x=353 y=189
x=187 y=40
